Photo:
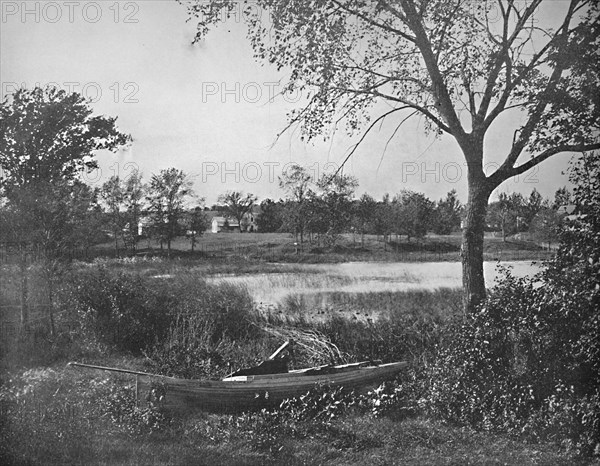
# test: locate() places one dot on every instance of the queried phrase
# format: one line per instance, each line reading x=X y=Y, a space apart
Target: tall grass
x=179 y=323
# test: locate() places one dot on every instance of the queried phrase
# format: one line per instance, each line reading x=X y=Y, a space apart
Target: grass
x=366 y=288
x=59 y=415
x=281 y=247
x=77 y=424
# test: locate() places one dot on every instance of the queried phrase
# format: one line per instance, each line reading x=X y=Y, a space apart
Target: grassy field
x=281 y=247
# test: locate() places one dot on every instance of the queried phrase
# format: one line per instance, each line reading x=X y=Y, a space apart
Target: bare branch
x=372 y=22
x=371 y=126
x=501 y=175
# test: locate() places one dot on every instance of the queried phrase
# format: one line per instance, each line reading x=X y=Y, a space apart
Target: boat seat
x=272 y=366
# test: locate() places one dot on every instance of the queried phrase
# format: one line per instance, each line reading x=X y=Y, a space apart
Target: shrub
x=121 y=310
x=211 y=325
x=507 y=365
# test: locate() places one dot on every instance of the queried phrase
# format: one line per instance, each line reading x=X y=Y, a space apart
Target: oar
x=113 y=369
x=279 y=350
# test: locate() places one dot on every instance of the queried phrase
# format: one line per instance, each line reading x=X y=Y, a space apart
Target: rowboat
x=237 y=393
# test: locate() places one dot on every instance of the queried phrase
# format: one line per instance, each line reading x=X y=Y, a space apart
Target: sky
x=211 y=110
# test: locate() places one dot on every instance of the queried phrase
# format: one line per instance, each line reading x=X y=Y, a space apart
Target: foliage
x=272 y=216
x=412 y=213
x=364 y=215
x=297 y=183
x=54 y=217
x=507 y=362
x=47 y=135
x=167 y=193
x=446 y=217
x=545 y=226
x=333 y=205
x=197 y=224
x=212 y=326
x=529 y=359
x=504 y=213
x=47 y=415
x=237 y=205
x=122 y=311
x=562 y=197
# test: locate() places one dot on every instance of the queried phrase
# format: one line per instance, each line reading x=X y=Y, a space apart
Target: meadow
x=203 y=316
x=283 y=247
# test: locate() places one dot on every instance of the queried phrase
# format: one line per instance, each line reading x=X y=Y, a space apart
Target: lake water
x=362 y=277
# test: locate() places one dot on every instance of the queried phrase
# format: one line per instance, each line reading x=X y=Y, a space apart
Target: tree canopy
x=47 y=135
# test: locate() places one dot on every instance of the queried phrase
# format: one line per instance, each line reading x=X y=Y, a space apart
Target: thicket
x=528 y=362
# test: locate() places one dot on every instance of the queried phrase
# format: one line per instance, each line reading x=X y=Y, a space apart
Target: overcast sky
x=205 y=108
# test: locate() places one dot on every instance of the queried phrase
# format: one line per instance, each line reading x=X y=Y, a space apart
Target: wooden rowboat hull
x=257 y=391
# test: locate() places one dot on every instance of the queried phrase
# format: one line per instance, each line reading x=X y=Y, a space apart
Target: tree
x=458 y=64
x=529 y=357
x=336 y=195
x=112 y=194
x=133 y=200
x=123 y=202
x=47 y=137
x=167 y=193
x=505 y=213
x=197 y=223
x=545 y=226
x=412 y=214
x=237 y=204
x=271 y=216
x=562 y=197
x=383 y=223
x=446 y=217
x=532 y=206
x=296 y=182
x=365 y=210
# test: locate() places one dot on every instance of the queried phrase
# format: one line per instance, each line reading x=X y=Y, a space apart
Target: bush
x=121 y=310
x=211 y=325
x=397 y=335
x=528 y=360
x=49 y=416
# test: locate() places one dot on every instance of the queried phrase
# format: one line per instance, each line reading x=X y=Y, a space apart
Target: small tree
x=271 y=216
x=446 y=217
x=534 y=203
x=237 y=204
x=364 y=214
x=545 y=226
x=112 y=196
x=197 y=223
x=383 y=223
x=506 y=213
x=412 y=214
x=337 y=194
x=296 y=182
x=133 y=201
x=167 y=194
x=562 y=197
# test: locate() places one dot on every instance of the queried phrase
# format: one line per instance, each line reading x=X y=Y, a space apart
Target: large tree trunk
x=472 y=243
